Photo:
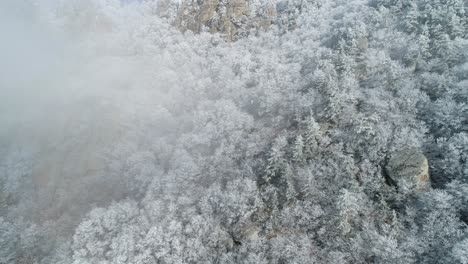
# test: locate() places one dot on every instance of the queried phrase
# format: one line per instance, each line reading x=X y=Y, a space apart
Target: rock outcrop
x=231 y=18
x=409 y=170
x=246 y=231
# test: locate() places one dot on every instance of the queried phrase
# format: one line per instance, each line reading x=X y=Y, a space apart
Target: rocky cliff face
x=231 y=18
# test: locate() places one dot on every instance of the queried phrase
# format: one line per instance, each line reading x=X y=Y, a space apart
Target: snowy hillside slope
x=234 y=131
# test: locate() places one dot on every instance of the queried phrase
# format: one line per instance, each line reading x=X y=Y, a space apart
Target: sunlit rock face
x=246 y=231
x=233 y=19
x=409 y=169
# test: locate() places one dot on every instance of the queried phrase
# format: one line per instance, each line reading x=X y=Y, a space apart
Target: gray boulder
x=409 y=170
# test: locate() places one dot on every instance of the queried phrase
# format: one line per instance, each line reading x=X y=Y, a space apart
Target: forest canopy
x=241 y=131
